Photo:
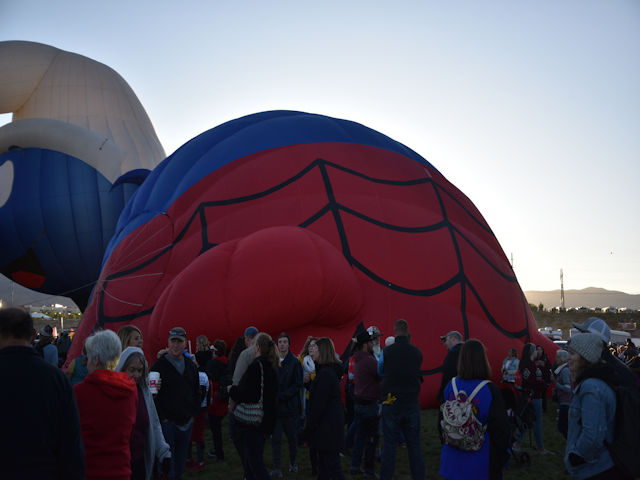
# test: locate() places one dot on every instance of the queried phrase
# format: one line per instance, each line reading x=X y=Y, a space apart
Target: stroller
x=521 y=417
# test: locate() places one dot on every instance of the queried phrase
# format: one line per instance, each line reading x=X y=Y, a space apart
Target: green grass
x=542 y=467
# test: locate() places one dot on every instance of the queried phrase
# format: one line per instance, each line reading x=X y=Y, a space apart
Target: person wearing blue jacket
x=592 y=411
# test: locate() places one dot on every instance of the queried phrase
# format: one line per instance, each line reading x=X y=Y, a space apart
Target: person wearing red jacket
x=107 y=403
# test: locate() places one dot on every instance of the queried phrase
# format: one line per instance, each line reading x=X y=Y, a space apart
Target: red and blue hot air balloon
x=312 y=225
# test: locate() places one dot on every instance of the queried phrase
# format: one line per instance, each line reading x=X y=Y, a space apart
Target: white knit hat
x=587 y=345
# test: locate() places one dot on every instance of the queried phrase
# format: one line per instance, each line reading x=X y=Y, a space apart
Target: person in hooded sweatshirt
x=107 y=403
x=147 y=440
x=325 y=417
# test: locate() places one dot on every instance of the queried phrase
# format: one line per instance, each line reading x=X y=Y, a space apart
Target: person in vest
x=488 y=462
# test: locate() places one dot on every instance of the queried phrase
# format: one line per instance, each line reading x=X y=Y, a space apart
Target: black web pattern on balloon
x=336 y=209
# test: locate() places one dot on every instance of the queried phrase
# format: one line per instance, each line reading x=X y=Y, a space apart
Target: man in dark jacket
x=40 y=423
x=178 y=401
x=289 y=388
x=453 y=343
x=366 y=398
x=401 y=381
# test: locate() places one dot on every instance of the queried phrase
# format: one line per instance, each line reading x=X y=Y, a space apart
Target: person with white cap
x=601 y=329
x=591 y=412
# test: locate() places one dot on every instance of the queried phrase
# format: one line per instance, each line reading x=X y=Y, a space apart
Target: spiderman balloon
x=307 y=224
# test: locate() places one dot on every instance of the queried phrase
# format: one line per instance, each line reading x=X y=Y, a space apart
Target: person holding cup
x=147 y=440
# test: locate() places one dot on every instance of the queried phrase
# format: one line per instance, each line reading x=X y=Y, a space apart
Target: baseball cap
x=452 y=333
x=595 y=325
x=251 y=332
x=177 y=332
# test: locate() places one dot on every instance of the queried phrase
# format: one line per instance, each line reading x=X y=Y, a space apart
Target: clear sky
x=532 y=109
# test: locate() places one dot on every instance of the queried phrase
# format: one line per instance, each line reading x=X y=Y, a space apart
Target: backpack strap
x=477 y=389
x=455 y=389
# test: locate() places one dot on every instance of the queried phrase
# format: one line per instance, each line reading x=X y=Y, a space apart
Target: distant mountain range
x=587 y=297
x=25 y=296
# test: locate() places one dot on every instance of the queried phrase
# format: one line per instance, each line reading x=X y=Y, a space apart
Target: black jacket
x=401 y=375
x=325 y=418
x=40 y=424
x=248 y=391
x=499 y=434
x=289 y=386
x=449 y=369
x=179 y=398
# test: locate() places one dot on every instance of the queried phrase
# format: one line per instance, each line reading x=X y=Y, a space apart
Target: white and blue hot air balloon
x=78 y=146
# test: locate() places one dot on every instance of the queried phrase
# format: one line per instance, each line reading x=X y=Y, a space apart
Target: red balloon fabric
x=317 y=239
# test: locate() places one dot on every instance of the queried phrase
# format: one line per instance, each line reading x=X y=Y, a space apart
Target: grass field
x=542 y=467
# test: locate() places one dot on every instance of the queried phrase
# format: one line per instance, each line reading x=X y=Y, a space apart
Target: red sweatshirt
x=107 y=403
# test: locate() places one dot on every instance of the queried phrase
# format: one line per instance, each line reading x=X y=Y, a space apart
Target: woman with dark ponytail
x=258 y=385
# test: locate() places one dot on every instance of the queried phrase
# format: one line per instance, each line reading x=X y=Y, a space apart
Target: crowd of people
x=112 y=415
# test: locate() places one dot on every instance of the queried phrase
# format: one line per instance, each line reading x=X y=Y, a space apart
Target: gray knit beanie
x=587 y=345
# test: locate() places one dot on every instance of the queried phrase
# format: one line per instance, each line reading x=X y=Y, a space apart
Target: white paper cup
x=154 y=377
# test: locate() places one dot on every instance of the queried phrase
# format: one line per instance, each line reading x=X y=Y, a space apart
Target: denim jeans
x=405 y=418
x=366 y=437
x=537 y=423
x=290 y=427
x=179 y=441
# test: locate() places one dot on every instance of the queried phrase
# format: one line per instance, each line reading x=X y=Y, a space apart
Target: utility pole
x=562 y=290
